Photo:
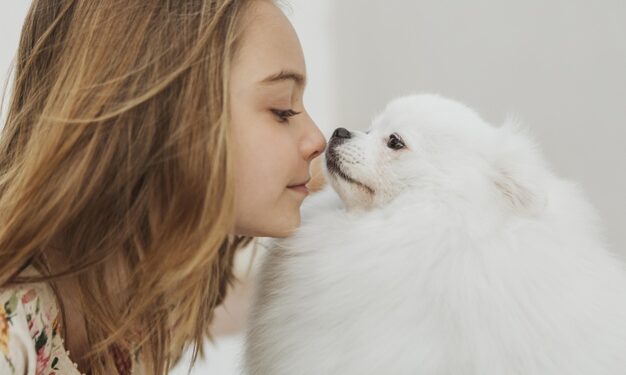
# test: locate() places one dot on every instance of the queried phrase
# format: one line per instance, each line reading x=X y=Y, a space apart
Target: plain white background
x=558 y=65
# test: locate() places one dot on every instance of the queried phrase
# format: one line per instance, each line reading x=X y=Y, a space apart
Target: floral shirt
x=30 y=342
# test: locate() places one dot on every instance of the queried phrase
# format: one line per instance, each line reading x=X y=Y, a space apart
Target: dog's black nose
x=342 y=133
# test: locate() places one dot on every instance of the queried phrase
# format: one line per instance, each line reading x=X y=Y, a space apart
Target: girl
x=146 y=141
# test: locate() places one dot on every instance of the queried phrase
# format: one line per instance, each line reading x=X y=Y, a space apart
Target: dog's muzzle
x=339 y=136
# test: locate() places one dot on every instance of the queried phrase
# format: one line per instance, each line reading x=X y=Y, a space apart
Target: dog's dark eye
x=395 y=143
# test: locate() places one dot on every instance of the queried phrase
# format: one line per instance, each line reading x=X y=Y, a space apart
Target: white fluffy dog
x=442 y=246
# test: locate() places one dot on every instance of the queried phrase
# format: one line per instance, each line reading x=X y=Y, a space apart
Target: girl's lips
x=300 y=188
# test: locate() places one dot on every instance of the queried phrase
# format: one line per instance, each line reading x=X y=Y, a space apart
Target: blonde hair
x=116 y=151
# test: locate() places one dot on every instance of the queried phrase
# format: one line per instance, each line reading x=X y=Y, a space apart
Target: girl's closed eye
x=284 y=114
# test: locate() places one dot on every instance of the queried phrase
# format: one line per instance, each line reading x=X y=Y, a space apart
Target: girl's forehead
x=269 y=44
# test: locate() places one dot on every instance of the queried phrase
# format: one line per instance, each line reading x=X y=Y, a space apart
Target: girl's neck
x=73 y=319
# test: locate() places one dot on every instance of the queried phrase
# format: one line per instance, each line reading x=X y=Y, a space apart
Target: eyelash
x=284 y=115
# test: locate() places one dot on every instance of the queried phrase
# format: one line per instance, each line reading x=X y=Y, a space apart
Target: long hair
x=116 y=153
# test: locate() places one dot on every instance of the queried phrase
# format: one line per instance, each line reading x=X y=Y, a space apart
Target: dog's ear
x=519 y=172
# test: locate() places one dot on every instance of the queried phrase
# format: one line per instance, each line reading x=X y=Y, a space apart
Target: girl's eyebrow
x=285 y=75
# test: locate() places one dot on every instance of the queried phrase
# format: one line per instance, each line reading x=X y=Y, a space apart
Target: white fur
x=472 y=257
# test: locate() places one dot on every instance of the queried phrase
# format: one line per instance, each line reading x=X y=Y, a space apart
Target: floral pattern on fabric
x=4 y=333
x=32 y=306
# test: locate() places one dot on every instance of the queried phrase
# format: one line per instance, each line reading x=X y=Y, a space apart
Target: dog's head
x=426 y=144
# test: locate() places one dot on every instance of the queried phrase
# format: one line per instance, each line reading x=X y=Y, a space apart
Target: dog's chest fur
x=410 y=289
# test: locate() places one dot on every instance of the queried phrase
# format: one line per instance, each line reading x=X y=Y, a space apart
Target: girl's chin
x=282 y=231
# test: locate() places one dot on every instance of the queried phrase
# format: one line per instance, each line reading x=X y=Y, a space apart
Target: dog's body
x=456 y=251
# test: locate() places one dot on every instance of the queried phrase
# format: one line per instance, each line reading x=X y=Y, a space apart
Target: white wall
x=12 y=14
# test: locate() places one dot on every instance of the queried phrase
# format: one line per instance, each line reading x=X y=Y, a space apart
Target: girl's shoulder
x=30 y=326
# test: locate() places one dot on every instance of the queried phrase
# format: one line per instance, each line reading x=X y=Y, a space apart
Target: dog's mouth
x=333 y=168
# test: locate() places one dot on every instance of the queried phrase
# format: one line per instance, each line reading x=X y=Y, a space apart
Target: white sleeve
x=17 y=348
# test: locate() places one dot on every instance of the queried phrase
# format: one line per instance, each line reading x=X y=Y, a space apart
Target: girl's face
x=274 y=137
